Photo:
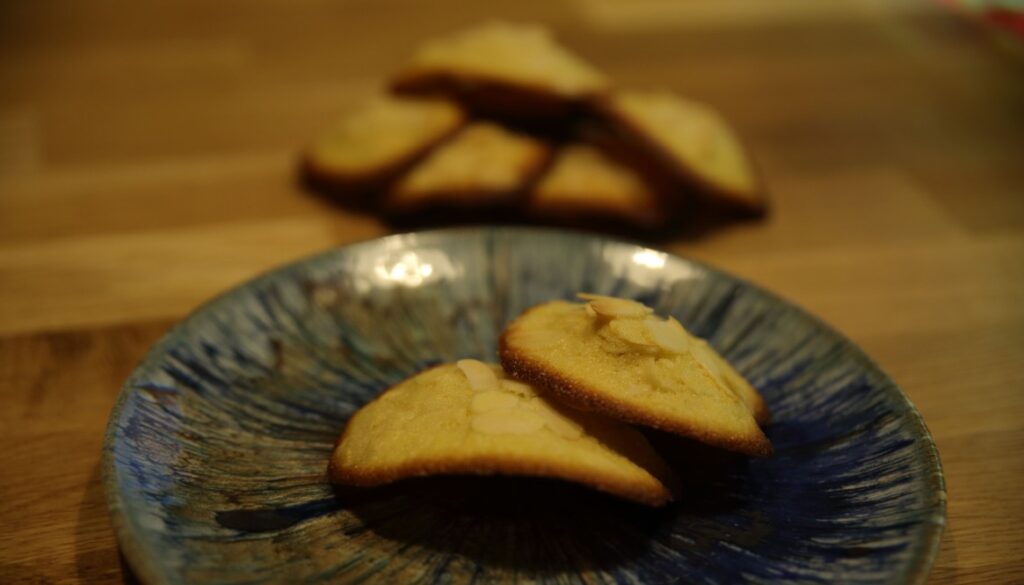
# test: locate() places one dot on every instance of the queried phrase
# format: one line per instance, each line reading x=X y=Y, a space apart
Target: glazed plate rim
x=126 y=528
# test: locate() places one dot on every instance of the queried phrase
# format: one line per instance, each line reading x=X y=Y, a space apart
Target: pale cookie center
x=632 y=322
x=556 y=422
x=509 y=407
x=493 y=400
x=511 y=421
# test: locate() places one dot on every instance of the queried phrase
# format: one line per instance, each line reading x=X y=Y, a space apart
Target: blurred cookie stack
x=500 y=123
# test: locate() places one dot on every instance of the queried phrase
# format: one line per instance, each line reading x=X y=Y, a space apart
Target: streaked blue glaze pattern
x=216 y=451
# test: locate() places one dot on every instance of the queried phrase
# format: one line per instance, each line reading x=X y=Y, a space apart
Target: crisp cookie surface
x=382 y=133
x=740 y=385
x=584 y=181
x=611 y=356
x=692 y=137
x=518 y=55
x=470 y=419
x=482 y=163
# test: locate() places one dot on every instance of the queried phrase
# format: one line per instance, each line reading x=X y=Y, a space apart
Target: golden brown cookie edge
x=651 y=493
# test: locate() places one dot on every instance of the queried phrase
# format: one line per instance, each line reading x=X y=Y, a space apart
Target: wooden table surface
x=146 y=156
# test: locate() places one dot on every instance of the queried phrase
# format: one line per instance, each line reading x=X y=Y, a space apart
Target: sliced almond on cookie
x=480 y=376
x=669 y=335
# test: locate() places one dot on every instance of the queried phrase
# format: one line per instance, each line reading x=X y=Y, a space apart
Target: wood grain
x=146 y=160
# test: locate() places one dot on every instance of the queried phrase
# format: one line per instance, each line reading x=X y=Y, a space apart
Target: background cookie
x=376 y=142
x=721 y=368
x=483 y=166
x=584 y=185
x=646 y=164
x=469 y=419
x=512 y=71
x=614 y=357
x=685 y=140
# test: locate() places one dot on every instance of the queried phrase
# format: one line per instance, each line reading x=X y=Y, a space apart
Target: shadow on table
x=694 y=222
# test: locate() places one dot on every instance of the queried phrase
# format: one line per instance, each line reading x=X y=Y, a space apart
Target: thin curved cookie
x=484 y=166
x=508 y=70
x=614 y=357
x=378 y=141
x=584 y=184
x=720 y=367
x=687 y=141
x=470 y=419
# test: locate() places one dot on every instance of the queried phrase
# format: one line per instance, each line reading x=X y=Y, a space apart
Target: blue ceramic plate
x=217 y=449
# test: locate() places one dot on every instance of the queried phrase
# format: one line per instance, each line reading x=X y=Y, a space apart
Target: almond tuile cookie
x=614 y=357
x=584 y=185
x=376 y=142
x=469 y=418
x=686 y=141
x=507 y=70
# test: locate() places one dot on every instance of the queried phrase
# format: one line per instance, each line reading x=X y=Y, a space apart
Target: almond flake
x=669 y=335
x=631 y=331
x=480 y=375
x=619 y=308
